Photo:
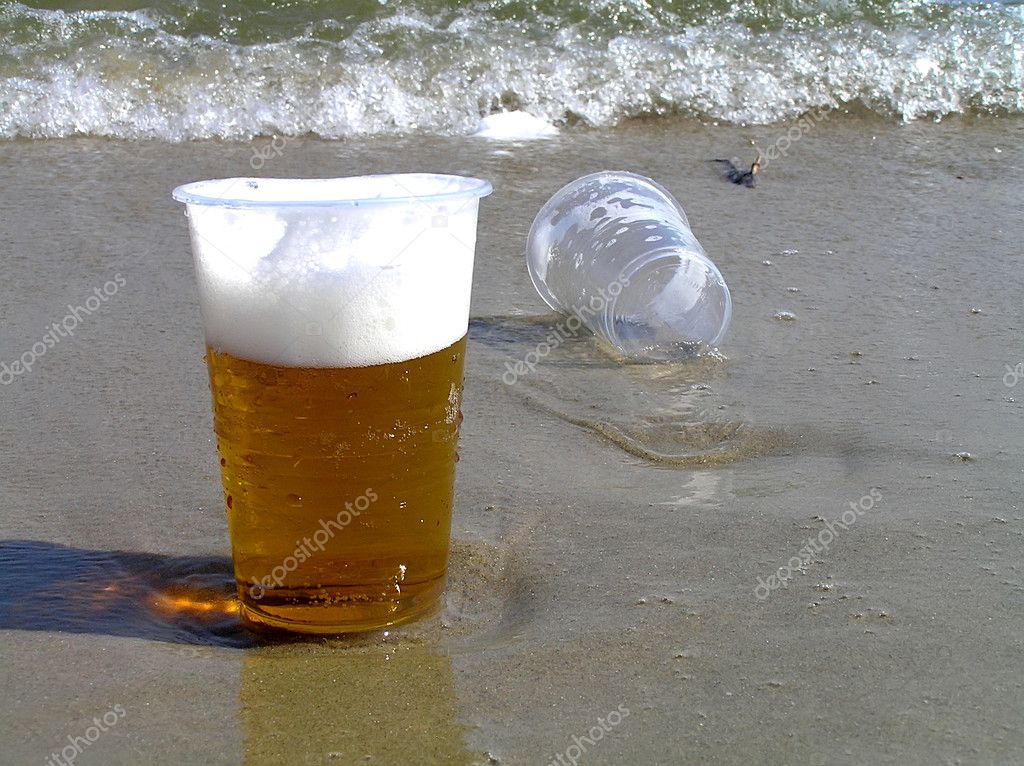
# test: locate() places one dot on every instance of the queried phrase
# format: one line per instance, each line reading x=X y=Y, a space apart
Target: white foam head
x=339 y=272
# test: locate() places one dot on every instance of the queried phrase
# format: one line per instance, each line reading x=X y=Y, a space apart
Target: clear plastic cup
x=616 y=249
x=336 y=314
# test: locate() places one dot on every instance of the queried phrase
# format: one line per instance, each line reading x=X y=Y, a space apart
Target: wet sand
x=612 y=522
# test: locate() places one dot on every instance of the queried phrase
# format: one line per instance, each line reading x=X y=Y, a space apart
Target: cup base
x=343 y=616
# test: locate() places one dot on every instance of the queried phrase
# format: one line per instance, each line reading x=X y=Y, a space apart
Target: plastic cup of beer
x=335 y=313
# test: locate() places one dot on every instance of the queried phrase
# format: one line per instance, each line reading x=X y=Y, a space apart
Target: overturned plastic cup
x=616 y=250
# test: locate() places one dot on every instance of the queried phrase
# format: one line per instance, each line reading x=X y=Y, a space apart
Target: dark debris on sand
x=738 y=176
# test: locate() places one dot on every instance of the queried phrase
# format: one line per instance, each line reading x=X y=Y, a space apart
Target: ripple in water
x=662 y=413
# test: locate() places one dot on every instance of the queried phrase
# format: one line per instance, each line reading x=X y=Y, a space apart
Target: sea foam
x=189 y=72
x=514 y=126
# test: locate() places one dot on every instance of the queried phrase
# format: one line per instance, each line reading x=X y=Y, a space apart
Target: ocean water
x=230 y=69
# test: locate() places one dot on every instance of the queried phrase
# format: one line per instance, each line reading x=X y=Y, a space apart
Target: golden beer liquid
x=338 y=486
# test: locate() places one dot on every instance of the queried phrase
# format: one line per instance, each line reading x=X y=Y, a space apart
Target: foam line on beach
x=177 y=75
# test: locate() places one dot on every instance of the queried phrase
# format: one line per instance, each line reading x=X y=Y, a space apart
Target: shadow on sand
x=178 y=599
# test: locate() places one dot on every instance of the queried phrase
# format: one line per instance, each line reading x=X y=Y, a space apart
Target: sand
x=612 y=522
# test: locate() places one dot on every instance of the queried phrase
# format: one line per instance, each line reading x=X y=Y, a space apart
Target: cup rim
x=405 y=188
x=670 y=255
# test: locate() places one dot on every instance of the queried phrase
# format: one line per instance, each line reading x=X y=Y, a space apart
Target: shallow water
x=662 y=413
x=612 y=522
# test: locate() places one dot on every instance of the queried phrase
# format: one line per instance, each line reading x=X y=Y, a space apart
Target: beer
x=338 y=486
x=335 y=313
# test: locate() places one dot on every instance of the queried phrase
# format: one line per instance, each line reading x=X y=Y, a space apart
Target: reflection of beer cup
x=337 y=704
x=337 y=447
